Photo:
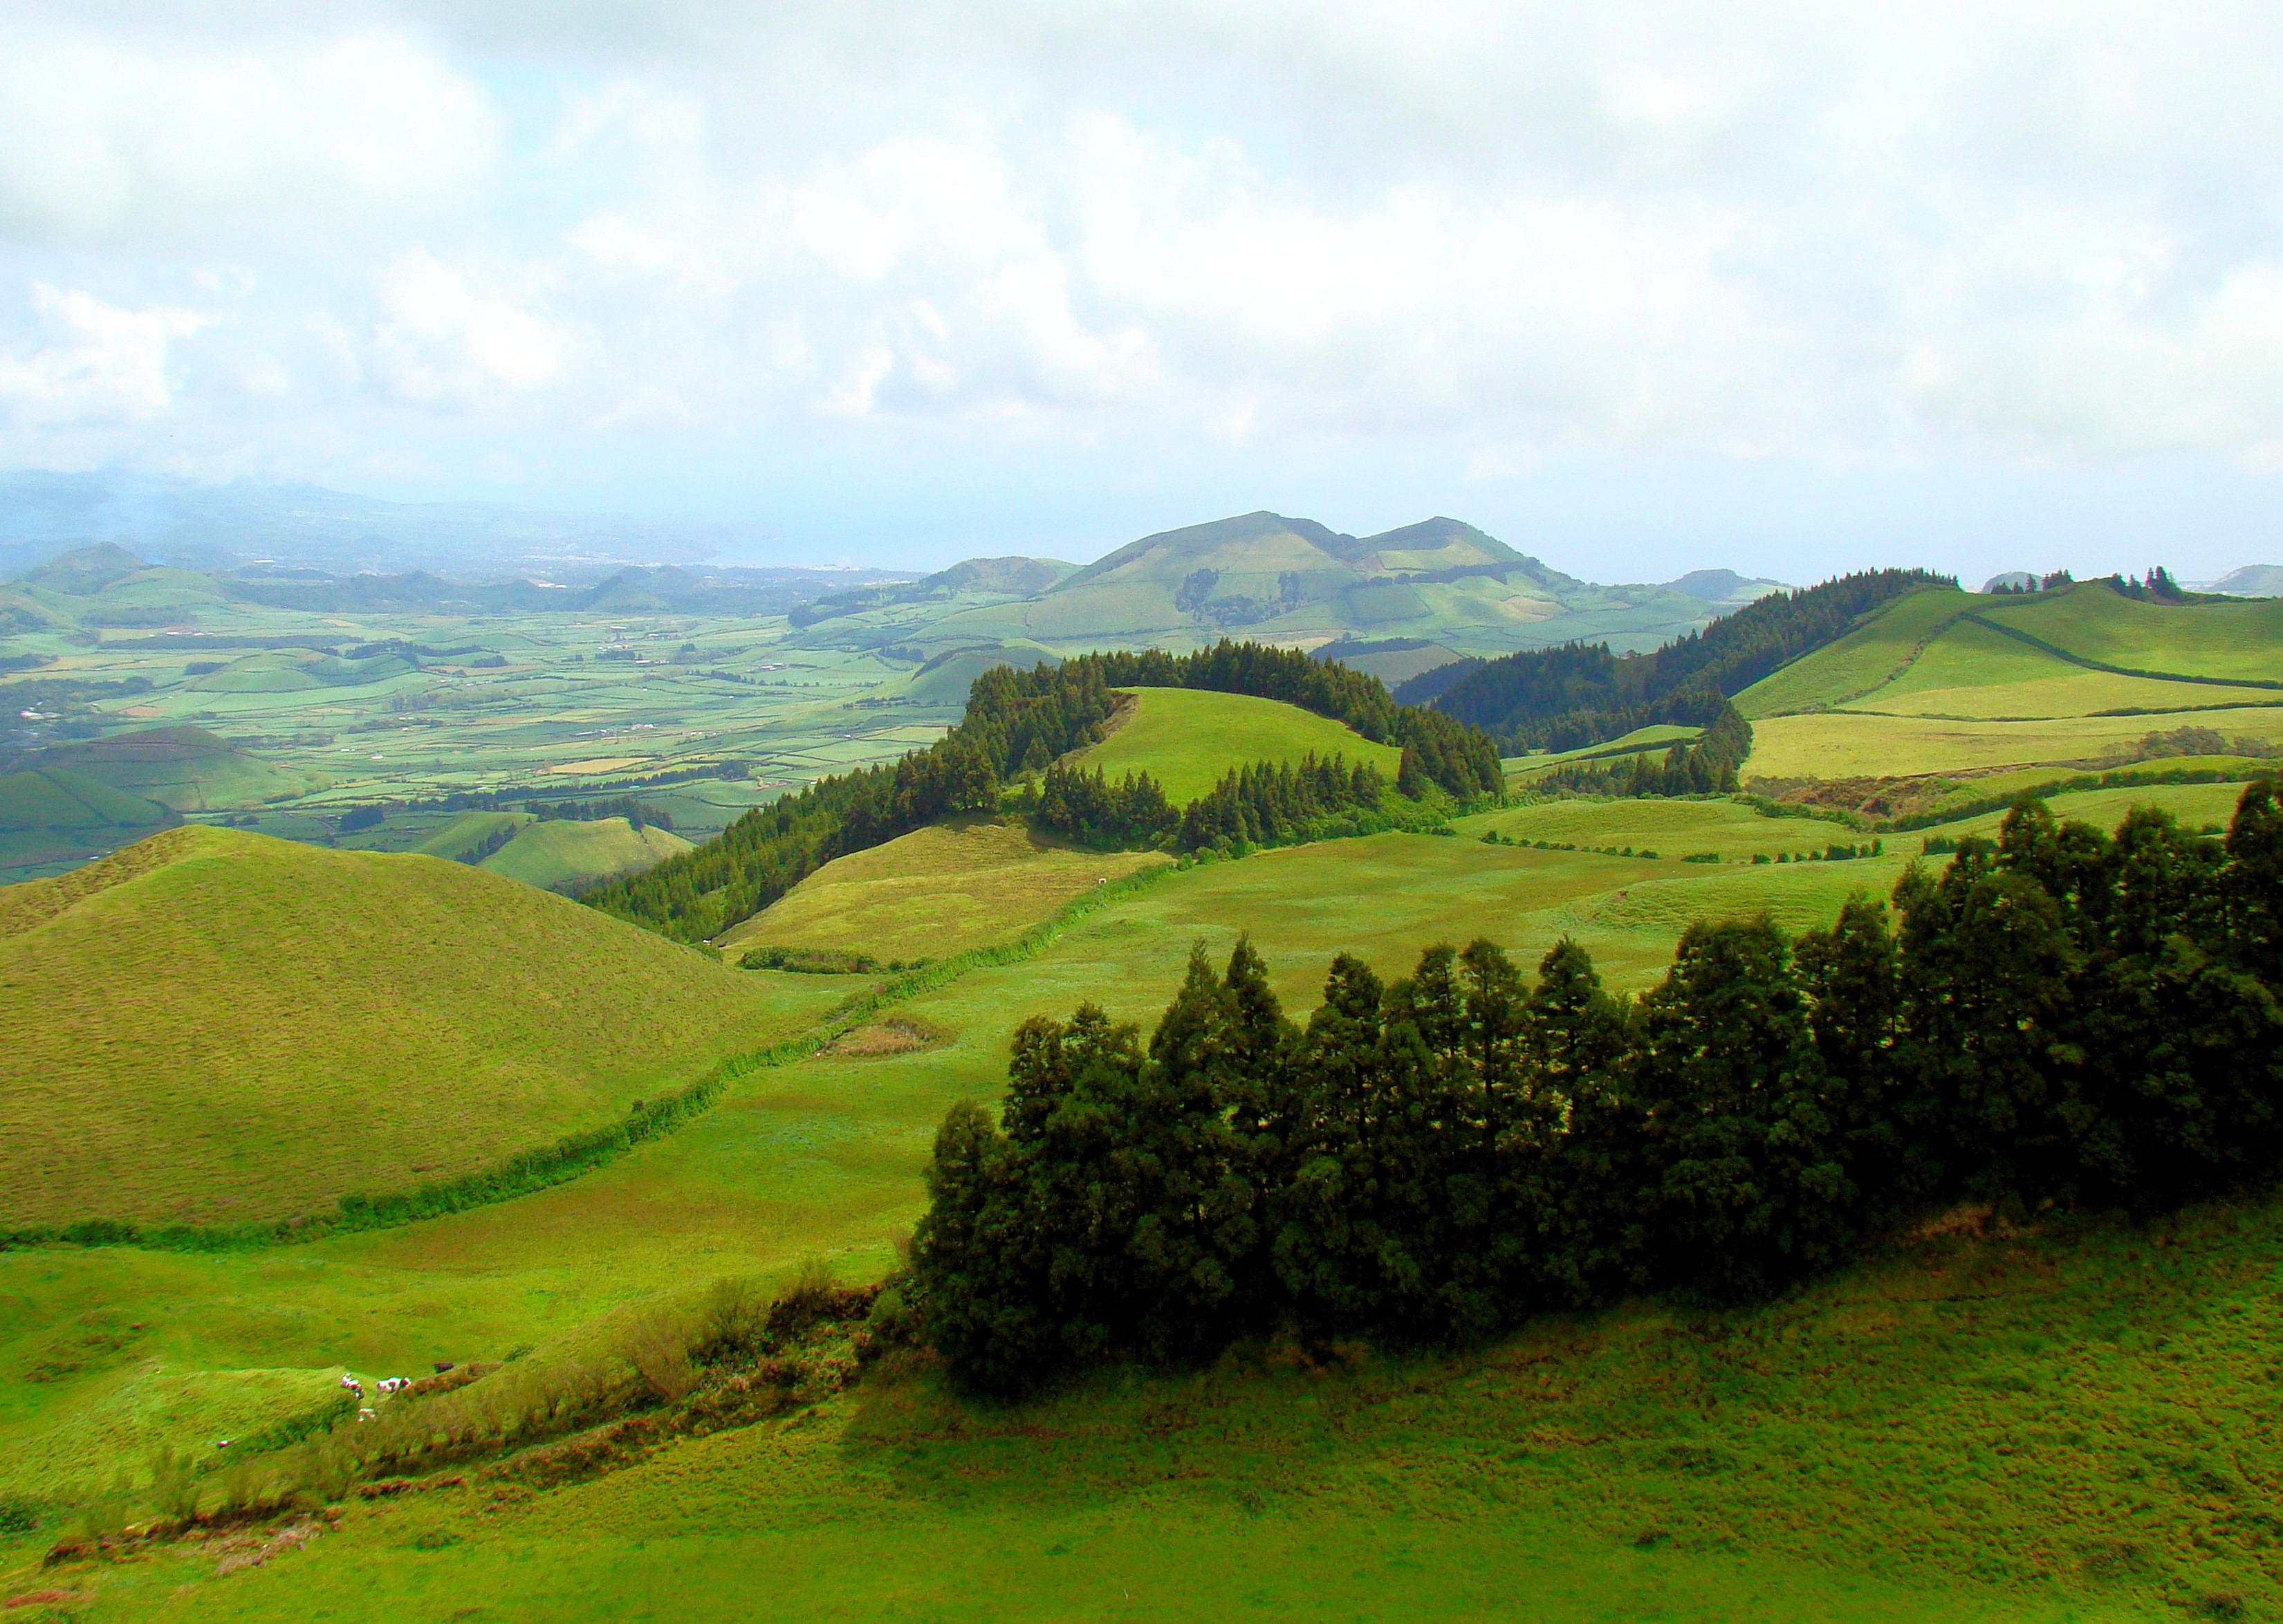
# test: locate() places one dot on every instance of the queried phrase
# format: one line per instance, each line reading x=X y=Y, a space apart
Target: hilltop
x=211 y=1026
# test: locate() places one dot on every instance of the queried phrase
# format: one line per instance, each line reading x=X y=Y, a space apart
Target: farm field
x=557 y=704
x=966 y=883
x=1850 y=743
x=1187 y=738
x=822 y=1157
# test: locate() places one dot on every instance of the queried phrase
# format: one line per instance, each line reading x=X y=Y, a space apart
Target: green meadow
x=968 y=882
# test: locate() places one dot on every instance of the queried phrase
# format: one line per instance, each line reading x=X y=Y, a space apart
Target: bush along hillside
x=2063 y=1016
x=1022 y=722
x=1567 y=697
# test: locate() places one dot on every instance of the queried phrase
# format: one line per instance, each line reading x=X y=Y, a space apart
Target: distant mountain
x=969 y=582
x=223 y=526
x=2252 y=581
x=2011 y=581
x=1282 y=580
x=107 y=585
x=1723 y=586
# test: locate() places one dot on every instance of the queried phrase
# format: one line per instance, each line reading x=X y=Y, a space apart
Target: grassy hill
x=186 y=769
x=1186 y=739
x=558 y=854
x=211 y=1026
x=1946 y=680
x=966 y=883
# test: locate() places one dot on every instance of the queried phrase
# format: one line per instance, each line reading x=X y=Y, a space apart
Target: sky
x=1784 y=288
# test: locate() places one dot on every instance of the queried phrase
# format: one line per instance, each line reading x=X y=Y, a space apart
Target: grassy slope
x=823 y=1156
x=1917 y=689
x=242 y=1027
x=2056 y=1426
x=560 y=854
x=468 y=831
x=1187 y=738
x=937 y=891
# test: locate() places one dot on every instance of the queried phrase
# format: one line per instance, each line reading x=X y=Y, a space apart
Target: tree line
x=1706 y=765
x=1261 y=803
x=2063 y=1016
x=1019 y=723
x=1576 y=695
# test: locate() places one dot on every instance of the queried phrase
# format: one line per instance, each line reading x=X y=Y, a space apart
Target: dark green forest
x=1581 y=694
x=1020 y=723
x=2065 y=1018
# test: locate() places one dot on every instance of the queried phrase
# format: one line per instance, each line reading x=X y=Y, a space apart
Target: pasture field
x=1974 y=671
x=969 y=882
x=1187 y=738
x=1851 y=744
x=2235 y=638
x=2058 y=1425
x=213 y=1026
x=562 y=854
x=1940 y=653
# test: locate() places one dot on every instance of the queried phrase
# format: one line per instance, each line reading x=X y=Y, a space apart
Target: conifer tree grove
x=2062 y=1016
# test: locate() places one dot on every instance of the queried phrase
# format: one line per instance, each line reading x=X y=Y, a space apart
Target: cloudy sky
x=1638 y=288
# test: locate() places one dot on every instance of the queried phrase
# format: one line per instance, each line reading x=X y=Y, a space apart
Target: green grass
x=1187 y=738
x=968 y=883
x=242 y=1028
x=467 y=830
x=2237 y=638
x=1847 y=745
x=2061 y=1426
x=560 y=854
x=1929 y=654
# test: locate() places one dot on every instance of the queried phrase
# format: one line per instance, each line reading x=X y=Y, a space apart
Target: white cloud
x=1756 y=230
x=106 y=137
x=439 y=341
x=96 y=364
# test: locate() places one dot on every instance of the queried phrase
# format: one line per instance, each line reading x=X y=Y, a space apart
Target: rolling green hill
x=1187 y=738
x=558 y=854
x=967 y=883
x=186 y=769
x=211 y=1026
x=469 y=830
x=1949 y=680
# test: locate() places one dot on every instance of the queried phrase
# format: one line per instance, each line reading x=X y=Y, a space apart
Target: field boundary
x=575 y=1155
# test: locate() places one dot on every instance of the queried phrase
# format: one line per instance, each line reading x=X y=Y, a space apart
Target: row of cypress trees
x=2064 y=1016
